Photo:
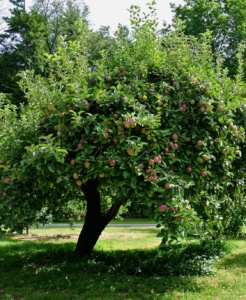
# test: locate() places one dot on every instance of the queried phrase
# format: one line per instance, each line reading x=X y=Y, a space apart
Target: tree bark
x=94 y=221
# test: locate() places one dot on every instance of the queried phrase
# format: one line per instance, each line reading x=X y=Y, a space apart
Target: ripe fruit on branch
x=61 y=114
x=73 y=162
x=206 y=157
x=115 y=140
x=176 y=217
x=38 y=127
x=130 y=152
x=87 y=165
x=79 y=182
x=4 y=194
x=188 y=170
x=127 y=124
x=50 y=106
x=175 y=136
x=175 y=146
x=112 y=162
x=132 y=123
x=199 y=143
x=106 y=135
x=7 y=180
x=162 y=207
x=204 y=173
x=151 y=161
x=167 y=185
x=1 y=162
x=75 y=175
x=192 y=101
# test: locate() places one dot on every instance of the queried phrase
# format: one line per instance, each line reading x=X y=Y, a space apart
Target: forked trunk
x=94 y=221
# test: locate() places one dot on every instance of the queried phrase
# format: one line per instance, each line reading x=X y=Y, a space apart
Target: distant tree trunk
x=94 y=221
x=27 y=230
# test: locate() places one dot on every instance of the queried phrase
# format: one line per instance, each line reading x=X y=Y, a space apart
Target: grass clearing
x=39 y=266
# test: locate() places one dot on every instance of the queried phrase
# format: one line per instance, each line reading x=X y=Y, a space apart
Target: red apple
x=188 y=170
x=106 y=135
x=130 y=152
x=112 y=162
x=7 y=180
x=126 y=124
x=115 y=140
x=4 y=194
x=199 y=143
x=132 y=123
x=167 y=185
x=73 y=161
x=151 y=162
x=87 y=165
x=79 y=182
x=175 y=136
x=175 y=146
x=162 y=207
x=204 y=173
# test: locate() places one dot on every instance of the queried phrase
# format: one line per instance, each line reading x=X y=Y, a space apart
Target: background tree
x=31 y=34
x=225 y=18
x=152 y=129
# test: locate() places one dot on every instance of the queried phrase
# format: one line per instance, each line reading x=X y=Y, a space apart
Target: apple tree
x=147 y=124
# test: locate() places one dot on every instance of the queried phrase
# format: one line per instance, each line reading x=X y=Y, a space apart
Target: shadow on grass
x=52 y=267
x=187 y=259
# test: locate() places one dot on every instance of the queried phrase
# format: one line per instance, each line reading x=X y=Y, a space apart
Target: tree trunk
x=94 y=221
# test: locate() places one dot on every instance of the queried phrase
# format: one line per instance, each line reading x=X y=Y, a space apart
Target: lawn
x=125 y=265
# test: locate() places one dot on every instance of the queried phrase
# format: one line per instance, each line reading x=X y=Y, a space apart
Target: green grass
x=117 y=221
x=40 y=267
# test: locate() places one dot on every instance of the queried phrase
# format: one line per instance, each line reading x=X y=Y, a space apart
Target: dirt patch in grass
x=38 y=237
